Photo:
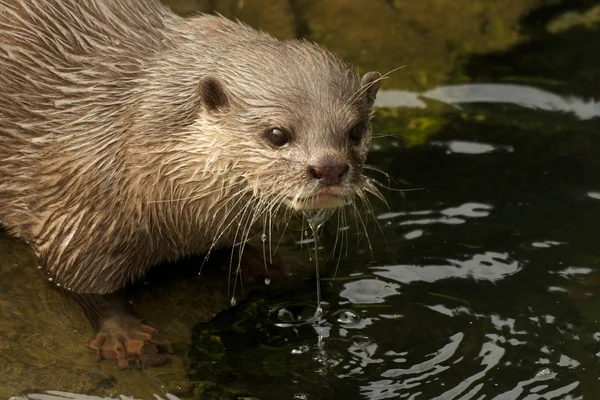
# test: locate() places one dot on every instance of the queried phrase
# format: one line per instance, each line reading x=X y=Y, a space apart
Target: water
x=483 y=276
x=487 y=285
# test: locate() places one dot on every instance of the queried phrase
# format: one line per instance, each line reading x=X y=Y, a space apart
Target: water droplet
x=263 y=237
x=58 y=284
x=267 y=281
x=39 y=267
x=233 y=301
x=50 y=279
x=300 y=396
x=347 y=317
x=300 y=350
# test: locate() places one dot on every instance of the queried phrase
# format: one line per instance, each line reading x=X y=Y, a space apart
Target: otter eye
x=277 y=137
x=356 y=133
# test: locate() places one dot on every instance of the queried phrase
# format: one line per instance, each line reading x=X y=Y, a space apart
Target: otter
x=132 y=136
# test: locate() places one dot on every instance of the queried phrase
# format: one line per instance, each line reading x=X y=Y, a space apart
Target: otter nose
x=329 y=175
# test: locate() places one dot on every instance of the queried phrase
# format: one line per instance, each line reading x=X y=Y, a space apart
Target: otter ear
x=370 y=84
x=212 y=94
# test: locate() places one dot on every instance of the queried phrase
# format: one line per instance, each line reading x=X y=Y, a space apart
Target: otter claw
x=137 y=345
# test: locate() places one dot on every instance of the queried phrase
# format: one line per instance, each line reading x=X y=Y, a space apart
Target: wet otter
x=132 y=136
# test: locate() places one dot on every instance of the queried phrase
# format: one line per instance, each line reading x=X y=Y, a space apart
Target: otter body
x=131 y=136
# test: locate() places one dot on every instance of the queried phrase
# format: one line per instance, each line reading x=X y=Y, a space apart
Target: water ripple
x=491 y=266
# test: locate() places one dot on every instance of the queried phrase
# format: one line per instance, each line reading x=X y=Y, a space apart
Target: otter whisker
x=285 y=227
x=376 y=182
x=364 y=227
x=337 y=238
x=253 y=211
x=381 y=171
x=346 y=232
x=247 y=212
x=344 y=238
x=371 y=188
x=266 y=227
x=224 y=225
x=279 y=204
x=370 y=212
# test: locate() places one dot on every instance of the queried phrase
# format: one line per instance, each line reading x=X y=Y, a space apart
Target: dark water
x=482 y=278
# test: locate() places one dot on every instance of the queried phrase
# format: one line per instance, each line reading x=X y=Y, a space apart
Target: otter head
x=296 y=121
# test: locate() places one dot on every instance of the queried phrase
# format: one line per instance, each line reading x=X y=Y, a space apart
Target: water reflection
x=368 y=291
x=487 y=266
x=450 y=216
x=521 y=95
x=464 y=147
x=499 y=353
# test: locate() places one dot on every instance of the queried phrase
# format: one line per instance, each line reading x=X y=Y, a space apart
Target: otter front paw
x=125 y=339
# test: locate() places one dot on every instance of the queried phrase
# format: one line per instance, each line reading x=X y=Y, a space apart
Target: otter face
x=321 y=147
x=302 y=139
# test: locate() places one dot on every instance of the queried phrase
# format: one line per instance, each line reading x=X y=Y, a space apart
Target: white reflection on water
x=522 y=95
x=448 y=216
x=464 y=147
x=369 y=291
x=570 y=272
x=594 y=195
x=447 y=311
x=490 y=266
x=546 y=244
x=429 y=367
x=536 y=392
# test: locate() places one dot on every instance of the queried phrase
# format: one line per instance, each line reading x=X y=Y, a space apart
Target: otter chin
x=132 y=136
x=325 y=198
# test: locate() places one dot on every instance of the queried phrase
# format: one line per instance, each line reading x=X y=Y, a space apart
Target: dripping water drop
x=347 y=317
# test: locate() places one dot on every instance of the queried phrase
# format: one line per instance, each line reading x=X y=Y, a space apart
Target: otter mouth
x=324 y=198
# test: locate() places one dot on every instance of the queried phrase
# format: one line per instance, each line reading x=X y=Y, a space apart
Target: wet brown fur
x=130 y=136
